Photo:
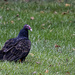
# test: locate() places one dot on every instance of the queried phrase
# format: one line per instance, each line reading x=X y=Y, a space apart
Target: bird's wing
x=20 y=49
x=9 y=44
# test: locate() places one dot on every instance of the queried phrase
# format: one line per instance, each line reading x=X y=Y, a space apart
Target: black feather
x=17 y=48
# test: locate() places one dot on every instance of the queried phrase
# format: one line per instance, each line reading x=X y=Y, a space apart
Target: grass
x=50 y=26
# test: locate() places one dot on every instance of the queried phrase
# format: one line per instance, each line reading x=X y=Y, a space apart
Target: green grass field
x=53 y=24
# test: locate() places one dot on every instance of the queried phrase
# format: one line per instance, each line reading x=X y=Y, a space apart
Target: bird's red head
x=27 y=27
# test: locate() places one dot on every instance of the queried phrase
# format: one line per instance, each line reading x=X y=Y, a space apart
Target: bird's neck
x=23 y=33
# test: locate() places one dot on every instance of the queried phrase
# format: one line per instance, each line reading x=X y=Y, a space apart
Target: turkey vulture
x=17 y=48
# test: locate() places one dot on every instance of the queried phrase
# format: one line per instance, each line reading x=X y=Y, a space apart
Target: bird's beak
x=30 y=29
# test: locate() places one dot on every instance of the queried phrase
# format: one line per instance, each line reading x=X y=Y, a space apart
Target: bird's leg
x=19 y=60
x=22 y=59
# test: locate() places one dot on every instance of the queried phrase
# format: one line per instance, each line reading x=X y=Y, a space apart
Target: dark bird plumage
x=17 y=48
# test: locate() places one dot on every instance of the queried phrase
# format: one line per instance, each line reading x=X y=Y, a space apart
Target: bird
x=17 y=48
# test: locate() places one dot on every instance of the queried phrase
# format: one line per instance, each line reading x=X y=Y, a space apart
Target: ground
x=53 y=25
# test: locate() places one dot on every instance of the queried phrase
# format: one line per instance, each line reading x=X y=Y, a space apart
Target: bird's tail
x=1 y=54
